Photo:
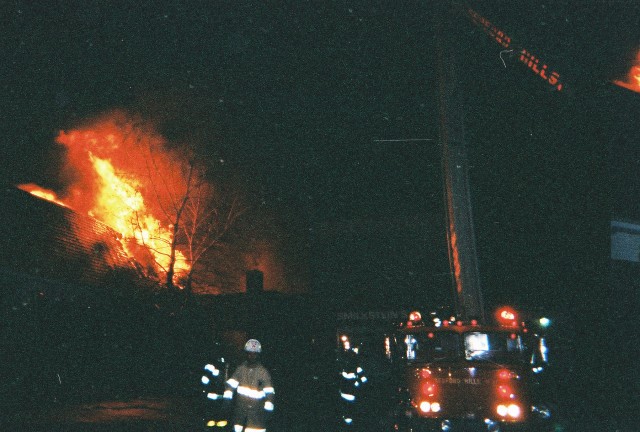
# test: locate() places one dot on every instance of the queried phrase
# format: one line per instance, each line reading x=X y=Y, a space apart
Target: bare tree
x=207 y=217
x=194 y=216
x=200 y=216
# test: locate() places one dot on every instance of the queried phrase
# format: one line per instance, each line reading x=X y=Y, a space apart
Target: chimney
x=255 y=281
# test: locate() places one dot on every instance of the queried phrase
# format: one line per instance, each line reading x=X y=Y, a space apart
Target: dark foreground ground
x=305 y=411
x=152 y=414
x=104 y=368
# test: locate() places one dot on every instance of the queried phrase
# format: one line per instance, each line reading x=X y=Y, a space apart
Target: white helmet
x=253 y=346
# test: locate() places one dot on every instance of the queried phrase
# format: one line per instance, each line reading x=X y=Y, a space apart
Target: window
x=493 y=346
x=432 y=346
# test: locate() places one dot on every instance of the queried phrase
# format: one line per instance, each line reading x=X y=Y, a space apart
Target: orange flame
x=632 y=80
x=121 y=174
x=41 y=192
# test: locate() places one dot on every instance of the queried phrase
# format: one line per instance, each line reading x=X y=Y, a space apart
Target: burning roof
x=50 y=241
x=119 y=171
x=632 y=79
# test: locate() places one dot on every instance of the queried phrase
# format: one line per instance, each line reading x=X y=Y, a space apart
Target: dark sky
x=297 y=97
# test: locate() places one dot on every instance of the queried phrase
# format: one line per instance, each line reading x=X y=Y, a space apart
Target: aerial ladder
x=468 y=299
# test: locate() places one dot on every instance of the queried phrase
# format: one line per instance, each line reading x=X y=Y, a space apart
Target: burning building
x=156 y=200
x=44 y=241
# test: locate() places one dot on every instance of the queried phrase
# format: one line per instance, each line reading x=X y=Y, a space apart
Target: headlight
x=425 y=406
x=511 y=410
x=429 y=406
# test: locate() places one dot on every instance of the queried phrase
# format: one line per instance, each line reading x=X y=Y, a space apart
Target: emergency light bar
x=505 y=316
x=415 y=319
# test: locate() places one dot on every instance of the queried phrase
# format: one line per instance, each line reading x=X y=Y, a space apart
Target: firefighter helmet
x=253 y=345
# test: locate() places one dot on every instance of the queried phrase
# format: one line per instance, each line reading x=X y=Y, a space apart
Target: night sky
x=304 y=100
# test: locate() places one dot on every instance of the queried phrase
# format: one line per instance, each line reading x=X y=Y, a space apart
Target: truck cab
x=456 y=375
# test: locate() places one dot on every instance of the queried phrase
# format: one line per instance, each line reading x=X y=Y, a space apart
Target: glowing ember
x=41 y=192
x=632 y=81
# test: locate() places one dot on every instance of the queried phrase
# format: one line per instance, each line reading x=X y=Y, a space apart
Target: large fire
x=632 y=80
x=121 y=173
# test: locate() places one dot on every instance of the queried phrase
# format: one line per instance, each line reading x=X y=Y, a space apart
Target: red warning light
x=428 y=388
x=507 y=316
x=505 y=374
x=415 y=316
x=504 y=391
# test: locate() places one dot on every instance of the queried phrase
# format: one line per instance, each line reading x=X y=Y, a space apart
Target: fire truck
x=456 y=375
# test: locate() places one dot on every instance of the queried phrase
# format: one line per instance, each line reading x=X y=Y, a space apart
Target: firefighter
x=252 y=392
x=352 y=380
x=213 y=382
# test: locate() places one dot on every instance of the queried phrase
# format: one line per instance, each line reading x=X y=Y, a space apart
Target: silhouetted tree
x=197 y=214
